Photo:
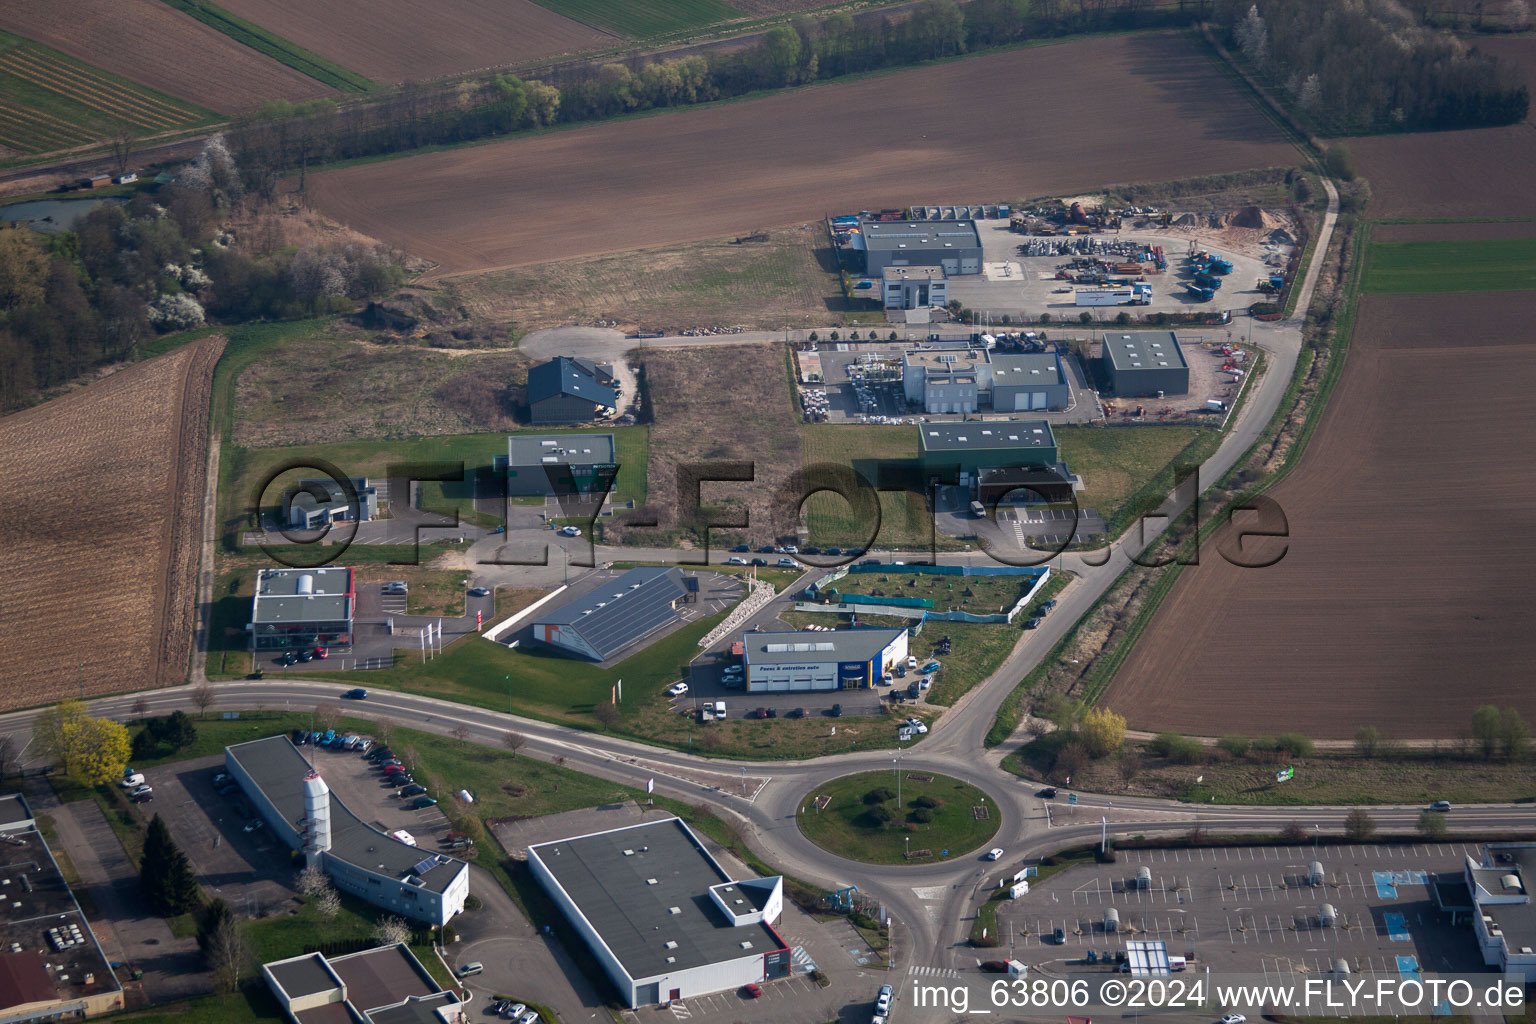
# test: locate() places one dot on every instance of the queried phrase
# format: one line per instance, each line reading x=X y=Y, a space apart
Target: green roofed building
x=977 y=445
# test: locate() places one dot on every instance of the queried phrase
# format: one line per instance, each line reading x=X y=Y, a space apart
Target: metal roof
x=895 y=235
x=281 y=595
x=1032 y=369
x=645 y=892
x=799 y=647
x=278 y=769
x=1145 y=956
x=560 y=449
x=565 y=376
x=1002 y=434
x=1144 y=350
x=620 y=611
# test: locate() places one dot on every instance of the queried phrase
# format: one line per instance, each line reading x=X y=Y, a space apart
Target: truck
x=1136 y=294
x=1207 y=280
x=1215 y=405
x=978 y=509
x=1200 y=292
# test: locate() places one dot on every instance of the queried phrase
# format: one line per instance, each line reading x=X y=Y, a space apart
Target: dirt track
x=99 y=531
x=153 y=43
x=400 y=40
x=1403 y=599
x=1139 y=108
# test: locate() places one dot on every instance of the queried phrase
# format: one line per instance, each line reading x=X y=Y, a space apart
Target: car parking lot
x=1252 y=909
x=359 y=783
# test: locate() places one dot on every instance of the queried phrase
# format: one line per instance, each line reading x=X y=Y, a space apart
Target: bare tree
x=411 y=759
x=1359 y=825
x=384 y=728
x=1294 y=832
x=227 y=954
x=513 y=741
x=1072 y=760
x=122 y=139
x=1129 y=765
x=326 y=716
x=140 y=707
x=203 y=698
x=605 y=713
x=390 y=930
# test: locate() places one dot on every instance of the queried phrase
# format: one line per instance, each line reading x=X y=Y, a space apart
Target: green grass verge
x=275 y=46
x=1403 y=268
x=844 y=827
x=639 y=19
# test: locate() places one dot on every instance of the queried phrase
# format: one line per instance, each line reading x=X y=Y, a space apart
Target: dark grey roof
x=278 y=769
x=560 y=449
x=1144 y=350
x=1031 y=369
x=623 y=610
x=279 y=599
x=387 y=985
x=304 y=976
x=645 y=891
x=1516 y=920
x=14 y=812
x=565 y=376
x=1003 y=434
x=894 y=235
x=800 y=647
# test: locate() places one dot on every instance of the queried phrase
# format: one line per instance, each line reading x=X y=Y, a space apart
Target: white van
x=720 y=709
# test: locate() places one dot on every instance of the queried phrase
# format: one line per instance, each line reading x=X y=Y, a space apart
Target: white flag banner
x=650 y=785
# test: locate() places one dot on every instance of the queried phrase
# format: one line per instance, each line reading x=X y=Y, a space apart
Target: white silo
x=317 y=818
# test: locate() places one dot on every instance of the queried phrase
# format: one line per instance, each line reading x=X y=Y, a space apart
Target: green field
x=51 y=101
x=844 y=826
x=275 y=46
x=641 y=18
x=904 y=519
x=1400 y=268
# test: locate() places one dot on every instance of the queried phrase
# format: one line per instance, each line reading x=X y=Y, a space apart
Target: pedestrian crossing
x=933 y=972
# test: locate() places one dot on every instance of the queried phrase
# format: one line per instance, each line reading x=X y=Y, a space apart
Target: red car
x=751 y=990
x=320 y=653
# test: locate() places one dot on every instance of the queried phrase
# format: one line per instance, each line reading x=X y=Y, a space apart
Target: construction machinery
x=1200 y=292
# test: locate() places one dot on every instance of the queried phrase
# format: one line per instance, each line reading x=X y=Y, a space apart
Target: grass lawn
x=904 y=518
x=979 y=595
x=1398 y=268
x=1119 y=464
x=844 y=826
x=640 y=18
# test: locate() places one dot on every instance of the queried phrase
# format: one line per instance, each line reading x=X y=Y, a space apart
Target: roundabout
x=912 y=817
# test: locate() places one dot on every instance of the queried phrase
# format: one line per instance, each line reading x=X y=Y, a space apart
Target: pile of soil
x=1184 y=220
x=1251 y=217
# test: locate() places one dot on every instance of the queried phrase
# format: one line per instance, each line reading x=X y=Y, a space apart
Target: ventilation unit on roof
x=671 y=944
x=650 y=881
x=746 y=944
x=674 y=910
x=629 y=853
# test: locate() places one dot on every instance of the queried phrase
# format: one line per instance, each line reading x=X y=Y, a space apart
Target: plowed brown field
x=99 y=531
x=401 y=40
x=1404 y=600
x=996 y=127
x=153 y=43
x=1483 y=172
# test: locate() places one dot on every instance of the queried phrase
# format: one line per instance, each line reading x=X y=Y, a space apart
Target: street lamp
x=509 y=694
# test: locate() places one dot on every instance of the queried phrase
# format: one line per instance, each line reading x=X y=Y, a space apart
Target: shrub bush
x=922 y=815
x=927 y=801
x=878 y=795
x=878 y=815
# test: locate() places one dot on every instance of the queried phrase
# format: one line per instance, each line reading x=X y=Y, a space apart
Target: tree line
x=282 y=137
x=1370 y=66
x=204 y=248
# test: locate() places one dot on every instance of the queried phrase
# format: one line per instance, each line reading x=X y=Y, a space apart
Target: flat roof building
x=51 y=965
x=387 y=985
x=567 y=390
x=298 y=608
x=615 y=615
x=1029 y=383
x=913 y=287
x=977 y=445
x=945 y=380
x=1504 y=917
x=841 y=659
x=952 y=245
x=660 y=915
x=300 y=809
x=308 y=511
x=561 y=463
x=1144 y=363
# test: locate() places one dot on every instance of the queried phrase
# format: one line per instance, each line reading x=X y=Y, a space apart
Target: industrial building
x=659 y=914
x=1027 y=485
x=617 y=614
x=567 y=390
x=1144 y=363
x=294 y=801
x=560 y=464
x=387 y=985
x=953 y=246
x=1503 y=917
x=944 y=380
x=297 y=608
x=1029 y=382
x=51 y=965
x=914 y=287
x=844 y=659
x=307 y=510
x=973 y=446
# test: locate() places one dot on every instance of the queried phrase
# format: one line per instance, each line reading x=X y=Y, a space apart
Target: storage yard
x=790 y=158
x=1392 y=584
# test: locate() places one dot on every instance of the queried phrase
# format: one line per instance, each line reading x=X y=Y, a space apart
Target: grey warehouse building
x=660 y=915
x=360 y=859
x=1029 y=382
x=1145 y=363
x=952 y=245
x=295 y=608
x=307 y=511
x=560 y=463
x=566 y=390
x=618 y=613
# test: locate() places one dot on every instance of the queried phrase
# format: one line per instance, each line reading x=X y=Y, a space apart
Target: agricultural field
x=152 y=43
x=790 y=158
x=1400 y=600
x=50 y=101
x=713 y=410
x=402 y=41
x=674 y=288
x=1485 y=265
x=100 y=579
x=638 y=19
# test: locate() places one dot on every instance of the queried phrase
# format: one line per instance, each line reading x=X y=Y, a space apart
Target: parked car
x=423 y=801
x=512 y=1010
x=1032 y=623
x=355 y=694
x=414 y=789
x=742 y=547
x=883 y=1000
x=144 y=798
x=870 y=561
x=1048 y=604
x=735 y=560
x=788 y=563
x=760 y=562
x=677 y=689
x=531 y=1017
x=471 y=968
x=767 y=549
x=832 y=551
x=322 y=653
x=1048 y=793
x=911 y=661
x=141 y=789
x=796 y=713
x=751 y=990
x=812 y=551
x=570 y=531
x=479 y=591
x=287 y=658
x=837 y=711
x=1059 y=936
x=917 y=725
x=132 y=780
x=1234 y=1018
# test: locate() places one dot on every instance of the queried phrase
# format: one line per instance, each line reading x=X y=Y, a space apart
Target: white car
x=570 y=531
x=996 y=853
x=677 y=689
x=531 y=1017
x=736 y=560
x=927 y=682
x=130 y=781
x=141 y=790
x=514 y=1011
x=911 y=661
x=883 y=1000
x=1234 y=1018
x=917 y=726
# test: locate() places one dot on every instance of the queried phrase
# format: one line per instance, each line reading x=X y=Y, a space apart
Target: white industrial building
x=294 y=801
x=843 y=659
x=944 y=380
x=914 y=287
x=660 y=915
x=1503 y=917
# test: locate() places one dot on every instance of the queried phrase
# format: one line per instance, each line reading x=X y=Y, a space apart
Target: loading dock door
x=1037 y=400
